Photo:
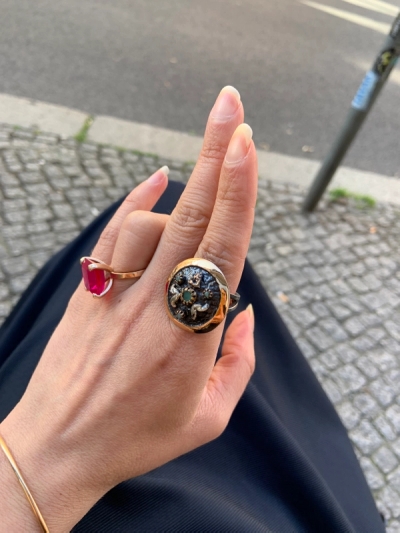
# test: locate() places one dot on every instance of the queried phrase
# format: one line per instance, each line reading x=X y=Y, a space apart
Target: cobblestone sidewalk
x=333 y=275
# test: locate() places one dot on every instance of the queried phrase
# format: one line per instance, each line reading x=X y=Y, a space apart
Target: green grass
x=122 y=150
x=361 y=200
x=34 y=130
x=81 y=136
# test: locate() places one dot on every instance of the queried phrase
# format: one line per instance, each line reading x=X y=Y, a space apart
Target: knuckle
x=144 y=224
x=218 y=424
x=232 y=197
x=212 y=150
x=134 y=217
x=132 y=199
x=191 y=216
x=134 y=220
x=107 y=238
x=226 y=259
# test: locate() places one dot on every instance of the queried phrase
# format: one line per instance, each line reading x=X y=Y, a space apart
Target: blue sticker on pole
x=363 y=97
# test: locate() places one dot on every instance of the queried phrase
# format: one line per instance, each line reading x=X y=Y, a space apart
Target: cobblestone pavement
x=333 y=275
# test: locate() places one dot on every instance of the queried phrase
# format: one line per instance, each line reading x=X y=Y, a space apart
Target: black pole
x=368 y=92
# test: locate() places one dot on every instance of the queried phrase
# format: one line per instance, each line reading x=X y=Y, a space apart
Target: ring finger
x=227 y=238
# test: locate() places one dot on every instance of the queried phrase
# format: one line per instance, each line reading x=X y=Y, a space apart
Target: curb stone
x=183 y=147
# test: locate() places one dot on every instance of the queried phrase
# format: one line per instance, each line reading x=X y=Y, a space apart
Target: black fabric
x=284 y=464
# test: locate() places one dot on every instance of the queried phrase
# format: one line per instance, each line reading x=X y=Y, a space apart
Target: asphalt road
x=162 y=62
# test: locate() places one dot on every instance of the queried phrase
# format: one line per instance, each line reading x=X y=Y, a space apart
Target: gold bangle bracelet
x=28 y=494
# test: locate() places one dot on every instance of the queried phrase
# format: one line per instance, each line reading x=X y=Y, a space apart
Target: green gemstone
x=187 y=296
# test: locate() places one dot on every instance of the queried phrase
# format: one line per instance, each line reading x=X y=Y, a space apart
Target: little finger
x=137 y=241
x=143 y=197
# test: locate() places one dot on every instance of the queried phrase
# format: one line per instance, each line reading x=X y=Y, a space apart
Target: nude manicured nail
x=227 y=103
x=165 y=170
x=157 y=177
x=250 y=310
x=239 y=145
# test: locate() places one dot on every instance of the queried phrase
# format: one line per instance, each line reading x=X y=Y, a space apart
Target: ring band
x=197 y=296
x=98 y=277
x=127 y=275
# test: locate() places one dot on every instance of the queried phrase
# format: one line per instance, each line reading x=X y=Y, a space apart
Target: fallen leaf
x=373 y=230
x=283 y=297
x=264 y=146
x=308 y=149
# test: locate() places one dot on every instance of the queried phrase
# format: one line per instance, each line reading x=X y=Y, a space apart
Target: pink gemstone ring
x=98 y=277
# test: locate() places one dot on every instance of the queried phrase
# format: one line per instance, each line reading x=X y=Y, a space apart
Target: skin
x=120 y=389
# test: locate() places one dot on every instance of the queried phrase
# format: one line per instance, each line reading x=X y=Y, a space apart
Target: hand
x=120 y=389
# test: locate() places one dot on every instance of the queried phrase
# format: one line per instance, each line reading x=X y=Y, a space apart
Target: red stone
x=95 y=280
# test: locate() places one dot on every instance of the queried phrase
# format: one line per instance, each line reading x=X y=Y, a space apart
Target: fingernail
x=250 y=310
x=227 y=103
x=239 y=144
x=165 y=170
x=157 y=177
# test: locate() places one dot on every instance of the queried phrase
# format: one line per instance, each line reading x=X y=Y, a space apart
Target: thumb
x=229 y=377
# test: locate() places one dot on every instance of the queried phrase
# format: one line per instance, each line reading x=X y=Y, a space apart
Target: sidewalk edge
x=180 y=146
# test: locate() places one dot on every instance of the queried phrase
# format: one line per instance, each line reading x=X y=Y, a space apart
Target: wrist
x=55 y=479
x=16 y=514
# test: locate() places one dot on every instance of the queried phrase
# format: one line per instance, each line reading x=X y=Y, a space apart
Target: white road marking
x=366 y=22
x=376 y=5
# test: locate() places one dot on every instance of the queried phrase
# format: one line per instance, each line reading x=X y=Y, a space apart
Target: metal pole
x=368 y=92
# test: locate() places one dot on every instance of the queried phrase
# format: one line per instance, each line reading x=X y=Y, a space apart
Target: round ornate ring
x=197 y=296
x=98 y=277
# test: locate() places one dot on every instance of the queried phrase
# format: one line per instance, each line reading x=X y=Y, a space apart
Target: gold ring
x=98 y=277
x=197 y=296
